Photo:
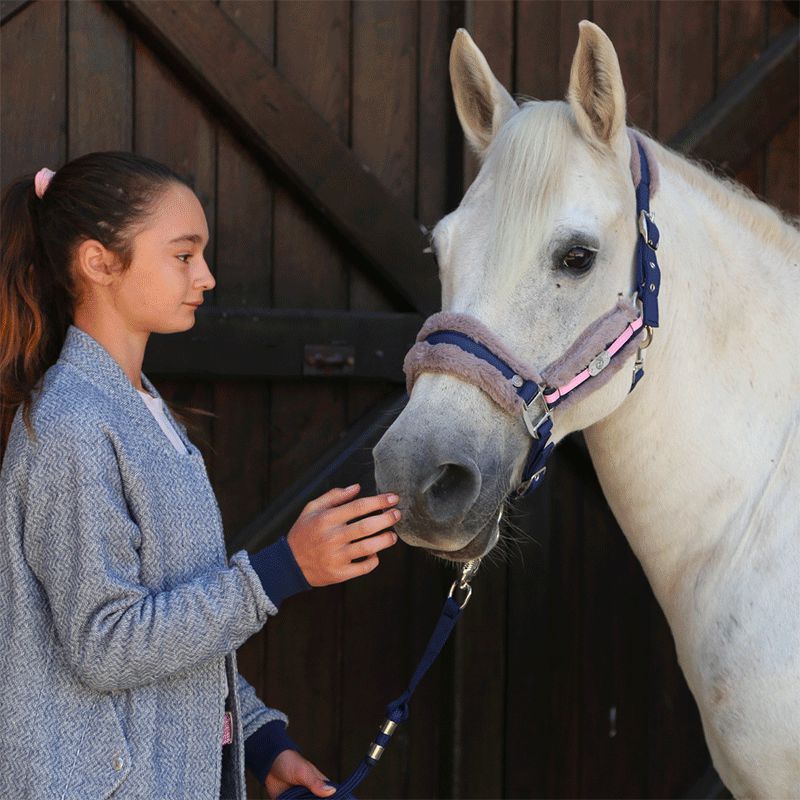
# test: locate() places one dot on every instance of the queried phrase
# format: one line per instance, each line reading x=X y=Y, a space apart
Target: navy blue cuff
x=279 y=572
x=264 y=745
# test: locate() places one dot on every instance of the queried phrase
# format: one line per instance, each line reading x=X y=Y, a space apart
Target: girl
x=121 y=612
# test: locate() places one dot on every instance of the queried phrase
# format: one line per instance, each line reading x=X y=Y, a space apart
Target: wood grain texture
x=33 y=114
x=274 y=119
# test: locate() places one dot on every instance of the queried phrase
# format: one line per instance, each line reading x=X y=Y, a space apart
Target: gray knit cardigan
x=121 y=613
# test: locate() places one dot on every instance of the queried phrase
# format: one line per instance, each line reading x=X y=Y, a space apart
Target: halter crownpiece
x=461 y=345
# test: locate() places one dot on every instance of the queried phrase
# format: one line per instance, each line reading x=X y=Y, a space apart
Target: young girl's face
x=168 y=273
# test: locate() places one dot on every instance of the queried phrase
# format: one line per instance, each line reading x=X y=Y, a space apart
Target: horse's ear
x=482 y=104
x=596 y=93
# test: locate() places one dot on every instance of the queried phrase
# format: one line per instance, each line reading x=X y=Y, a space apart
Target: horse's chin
x=483 y=542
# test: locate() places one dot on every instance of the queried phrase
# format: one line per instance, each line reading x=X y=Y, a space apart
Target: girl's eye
x=578 y=260
x=185 y=255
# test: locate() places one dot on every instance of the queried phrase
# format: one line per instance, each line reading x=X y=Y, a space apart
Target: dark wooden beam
x=10 y=8
x=749 y=110
x=348 y=461
x=209 y=51
x=271 y=343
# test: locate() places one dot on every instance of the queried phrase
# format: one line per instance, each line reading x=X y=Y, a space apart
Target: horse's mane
x=765 y=220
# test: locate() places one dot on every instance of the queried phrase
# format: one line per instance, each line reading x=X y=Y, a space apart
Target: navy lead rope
x=397 y=711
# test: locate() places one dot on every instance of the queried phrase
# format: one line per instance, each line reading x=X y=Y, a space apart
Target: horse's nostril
x=451 y=491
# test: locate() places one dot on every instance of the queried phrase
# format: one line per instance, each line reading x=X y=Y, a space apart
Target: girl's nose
x=207 y=282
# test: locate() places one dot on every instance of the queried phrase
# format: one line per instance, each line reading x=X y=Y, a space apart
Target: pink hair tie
x=42 y=180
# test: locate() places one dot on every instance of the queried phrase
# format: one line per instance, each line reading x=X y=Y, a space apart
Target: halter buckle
x=644 y=229
x=531 y=423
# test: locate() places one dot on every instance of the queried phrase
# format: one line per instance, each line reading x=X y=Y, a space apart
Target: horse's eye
x=578 y=260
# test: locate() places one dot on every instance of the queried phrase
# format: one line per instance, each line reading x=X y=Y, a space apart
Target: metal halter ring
x=467 y=587
x=649 y=340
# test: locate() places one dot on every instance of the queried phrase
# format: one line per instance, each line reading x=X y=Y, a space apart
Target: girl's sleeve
x=264 y=731
x=83 y=546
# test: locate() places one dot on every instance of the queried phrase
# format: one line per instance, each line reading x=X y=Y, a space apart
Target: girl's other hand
x=324 y=541
x=290 y=769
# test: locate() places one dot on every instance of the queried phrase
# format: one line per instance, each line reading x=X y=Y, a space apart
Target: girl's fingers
x=373 y=524
x=332 y=498
x=367 y=547
x=362 y=506
x=361 y=567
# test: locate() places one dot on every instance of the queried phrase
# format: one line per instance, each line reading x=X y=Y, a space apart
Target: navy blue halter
x=537 y=411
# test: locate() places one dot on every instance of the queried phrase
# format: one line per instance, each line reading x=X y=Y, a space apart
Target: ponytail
x=100 y=196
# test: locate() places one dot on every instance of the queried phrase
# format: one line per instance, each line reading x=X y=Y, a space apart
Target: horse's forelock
x=528 y=157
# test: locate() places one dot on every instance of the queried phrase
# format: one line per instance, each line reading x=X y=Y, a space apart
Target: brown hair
x=103 y=196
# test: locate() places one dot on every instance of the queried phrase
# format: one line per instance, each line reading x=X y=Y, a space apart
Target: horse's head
x=540 y=247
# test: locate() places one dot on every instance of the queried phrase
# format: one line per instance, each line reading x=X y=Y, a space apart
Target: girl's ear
x=596 y=93
x=482 y=104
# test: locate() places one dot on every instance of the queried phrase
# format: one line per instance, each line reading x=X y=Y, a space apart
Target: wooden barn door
x=320 y=138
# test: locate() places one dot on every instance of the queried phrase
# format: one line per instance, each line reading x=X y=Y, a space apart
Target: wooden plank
x=782 y=169
x=749 y=110
x=10 y=8
x=243 y=270
x=305 y=420
x=264 y=343
x=269 y=114
x=561 y=710
x=631 y=25
x=685 y=63
x=100 y=80
x=741 y=36
x=33 y=113
x=536 y=52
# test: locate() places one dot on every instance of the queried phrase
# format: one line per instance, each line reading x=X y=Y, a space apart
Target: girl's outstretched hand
x=290 y=769
x=324 y=541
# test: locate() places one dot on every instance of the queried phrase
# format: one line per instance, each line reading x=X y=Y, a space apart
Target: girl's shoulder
x=66 y=408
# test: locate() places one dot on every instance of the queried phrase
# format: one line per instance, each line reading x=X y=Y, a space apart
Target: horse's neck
x=688 y=456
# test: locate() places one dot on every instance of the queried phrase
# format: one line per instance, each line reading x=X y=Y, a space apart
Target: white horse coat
x=701 y=463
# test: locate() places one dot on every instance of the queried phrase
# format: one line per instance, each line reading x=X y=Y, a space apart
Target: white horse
x=701 y=462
